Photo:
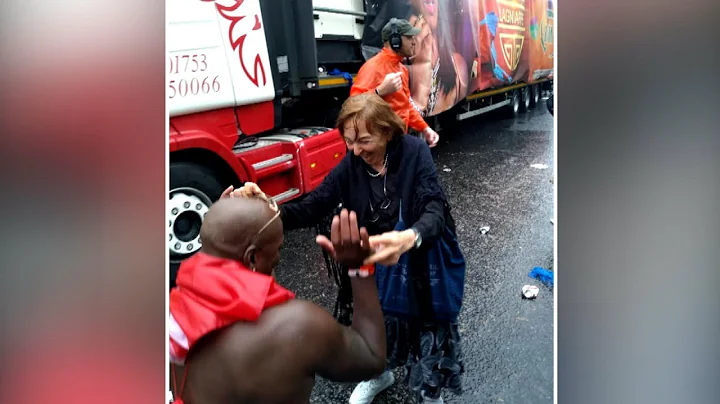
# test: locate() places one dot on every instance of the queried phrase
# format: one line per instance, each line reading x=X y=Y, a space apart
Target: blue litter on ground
x=543 y=275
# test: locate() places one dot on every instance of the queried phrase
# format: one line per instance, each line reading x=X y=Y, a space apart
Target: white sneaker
x=366 y=391
x=438 y=400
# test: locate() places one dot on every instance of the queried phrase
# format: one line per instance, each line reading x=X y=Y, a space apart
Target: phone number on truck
x=196 y=63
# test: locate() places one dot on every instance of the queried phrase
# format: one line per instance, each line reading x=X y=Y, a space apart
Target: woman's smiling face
x=368 y=146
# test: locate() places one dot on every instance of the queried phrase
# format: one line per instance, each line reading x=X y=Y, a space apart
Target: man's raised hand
x=390 y=84
x=349 y=245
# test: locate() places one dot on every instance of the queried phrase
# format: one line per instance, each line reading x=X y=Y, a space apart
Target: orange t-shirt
x=371 y=75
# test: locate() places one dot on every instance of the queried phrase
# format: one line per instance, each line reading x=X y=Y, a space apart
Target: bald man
x=245 y=339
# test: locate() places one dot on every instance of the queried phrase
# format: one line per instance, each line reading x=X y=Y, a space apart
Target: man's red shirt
x=213 y=293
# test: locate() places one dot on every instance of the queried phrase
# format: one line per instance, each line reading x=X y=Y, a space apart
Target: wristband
x=363 y=272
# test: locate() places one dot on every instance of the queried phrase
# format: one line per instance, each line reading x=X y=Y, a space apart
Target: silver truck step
x=286 y=195
x=470 y=114
x=273 y=161
x=246 y=146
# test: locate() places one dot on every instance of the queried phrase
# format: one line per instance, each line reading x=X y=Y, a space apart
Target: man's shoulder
x=281 y=324
x=300 y=315
x=375 y=58
x=370 y=65
x=296 y=334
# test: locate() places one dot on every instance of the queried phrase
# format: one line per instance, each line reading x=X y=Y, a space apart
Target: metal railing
x=338 y=11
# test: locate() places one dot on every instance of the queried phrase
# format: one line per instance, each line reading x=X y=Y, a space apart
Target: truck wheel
x=525 y=98
x=514 y=107
x=193 y=188
x=551 y=104
x=535 y=100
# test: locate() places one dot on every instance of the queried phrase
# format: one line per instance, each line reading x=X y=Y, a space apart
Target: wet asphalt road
x=485 y=167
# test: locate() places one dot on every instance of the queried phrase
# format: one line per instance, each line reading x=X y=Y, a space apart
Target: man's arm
x=416 y=120
x=365 y=80
x=349 y=354
x=359 y=352
x=371 y=78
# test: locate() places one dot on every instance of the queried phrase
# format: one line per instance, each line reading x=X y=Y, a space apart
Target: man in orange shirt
x=385 y=74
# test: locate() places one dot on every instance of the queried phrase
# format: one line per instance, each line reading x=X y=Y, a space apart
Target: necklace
x=384 y=204
x=381 y=170
x=432 y=98
x=384 y=192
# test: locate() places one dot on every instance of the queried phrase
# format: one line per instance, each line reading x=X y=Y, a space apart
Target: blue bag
x=446 y=265
x=543 y=275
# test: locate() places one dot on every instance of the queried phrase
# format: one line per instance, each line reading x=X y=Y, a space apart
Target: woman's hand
x=390 y=246
x=249 y=190
x=227 y=192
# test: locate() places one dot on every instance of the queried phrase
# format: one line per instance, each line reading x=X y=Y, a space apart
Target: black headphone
x=395 y=37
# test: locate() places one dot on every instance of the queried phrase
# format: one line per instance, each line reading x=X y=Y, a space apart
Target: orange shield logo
x=511 y=30
x=512 y=45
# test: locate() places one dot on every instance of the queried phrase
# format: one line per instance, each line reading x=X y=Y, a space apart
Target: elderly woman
x=389 y=179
